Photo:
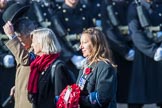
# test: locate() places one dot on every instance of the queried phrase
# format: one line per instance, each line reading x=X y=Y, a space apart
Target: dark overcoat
x=119 y=42
x=146 y=82
x=49 y=88
x=100 y=86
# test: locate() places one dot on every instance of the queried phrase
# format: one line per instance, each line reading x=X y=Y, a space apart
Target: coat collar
x=70 y=9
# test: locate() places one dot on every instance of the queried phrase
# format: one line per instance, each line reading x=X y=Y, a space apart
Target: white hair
x=48 y=40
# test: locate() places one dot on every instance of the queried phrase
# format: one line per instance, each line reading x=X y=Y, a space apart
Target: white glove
x=9 y=61
x=158 y=54
x=78 y=61
x=98 y=24
x=130 y=55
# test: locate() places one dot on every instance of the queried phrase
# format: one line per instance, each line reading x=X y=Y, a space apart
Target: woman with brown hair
x=97 y=78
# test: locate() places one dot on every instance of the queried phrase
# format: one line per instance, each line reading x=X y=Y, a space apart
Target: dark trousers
x=135 y=105
x=159 y=105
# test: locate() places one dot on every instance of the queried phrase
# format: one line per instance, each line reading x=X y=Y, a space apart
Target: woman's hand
x=12 y=91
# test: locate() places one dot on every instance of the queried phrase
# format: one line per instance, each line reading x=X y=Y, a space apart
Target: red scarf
x=40 y=64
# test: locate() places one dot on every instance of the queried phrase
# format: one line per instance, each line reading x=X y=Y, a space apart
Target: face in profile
x=26 y=41
x=3 y=4
x=86 y=45
x=36 y=45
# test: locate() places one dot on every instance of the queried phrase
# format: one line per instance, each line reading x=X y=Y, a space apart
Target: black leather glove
x=32 y=98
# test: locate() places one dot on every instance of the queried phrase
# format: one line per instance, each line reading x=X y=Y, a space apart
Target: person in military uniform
x=114 y=25
x=58 y=3
x=69 y=21
x=7 y=61
x=94 y=6
x=40 y=11
x=7 y=71
x=144 y=19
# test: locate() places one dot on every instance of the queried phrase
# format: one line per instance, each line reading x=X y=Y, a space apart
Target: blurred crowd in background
x=133 y=29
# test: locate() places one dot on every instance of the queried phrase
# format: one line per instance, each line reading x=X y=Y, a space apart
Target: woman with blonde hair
x=97 y=79
x=43 y=89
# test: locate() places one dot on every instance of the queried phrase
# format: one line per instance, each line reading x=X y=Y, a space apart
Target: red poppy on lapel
x=88 y=70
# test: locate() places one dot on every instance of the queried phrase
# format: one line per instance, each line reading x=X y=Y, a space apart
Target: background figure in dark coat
x=114 y=25
x=69 y=21
x=99 y=83
x=94 y=7
x=7 y=71
x=41 y=11
x=146 y=82
x=7 y=61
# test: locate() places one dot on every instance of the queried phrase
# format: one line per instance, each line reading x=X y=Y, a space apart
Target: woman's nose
x=80 y=46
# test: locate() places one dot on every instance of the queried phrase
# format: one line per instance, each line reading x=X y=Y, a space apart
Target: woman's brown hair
x=101 y=51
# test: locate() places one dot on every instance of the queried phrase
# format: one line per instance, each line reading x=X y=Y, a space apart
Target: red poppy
x=88 y=70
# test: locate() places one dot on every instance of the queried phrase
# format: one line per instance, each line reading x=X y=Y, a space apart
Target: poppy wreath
x=73 y=97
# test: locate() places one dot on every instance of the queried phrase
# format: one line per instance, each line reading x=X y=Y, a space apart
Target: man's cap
x=14 y=12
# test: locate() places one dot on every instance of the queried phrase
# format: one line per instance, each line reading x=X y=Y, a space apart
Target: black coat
x=120 y=44
x=117 y=40
x=74 y=20
x=94 y=6
x=7 y=75
x=146 y=82
x=103 y=81
x=49 y=89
